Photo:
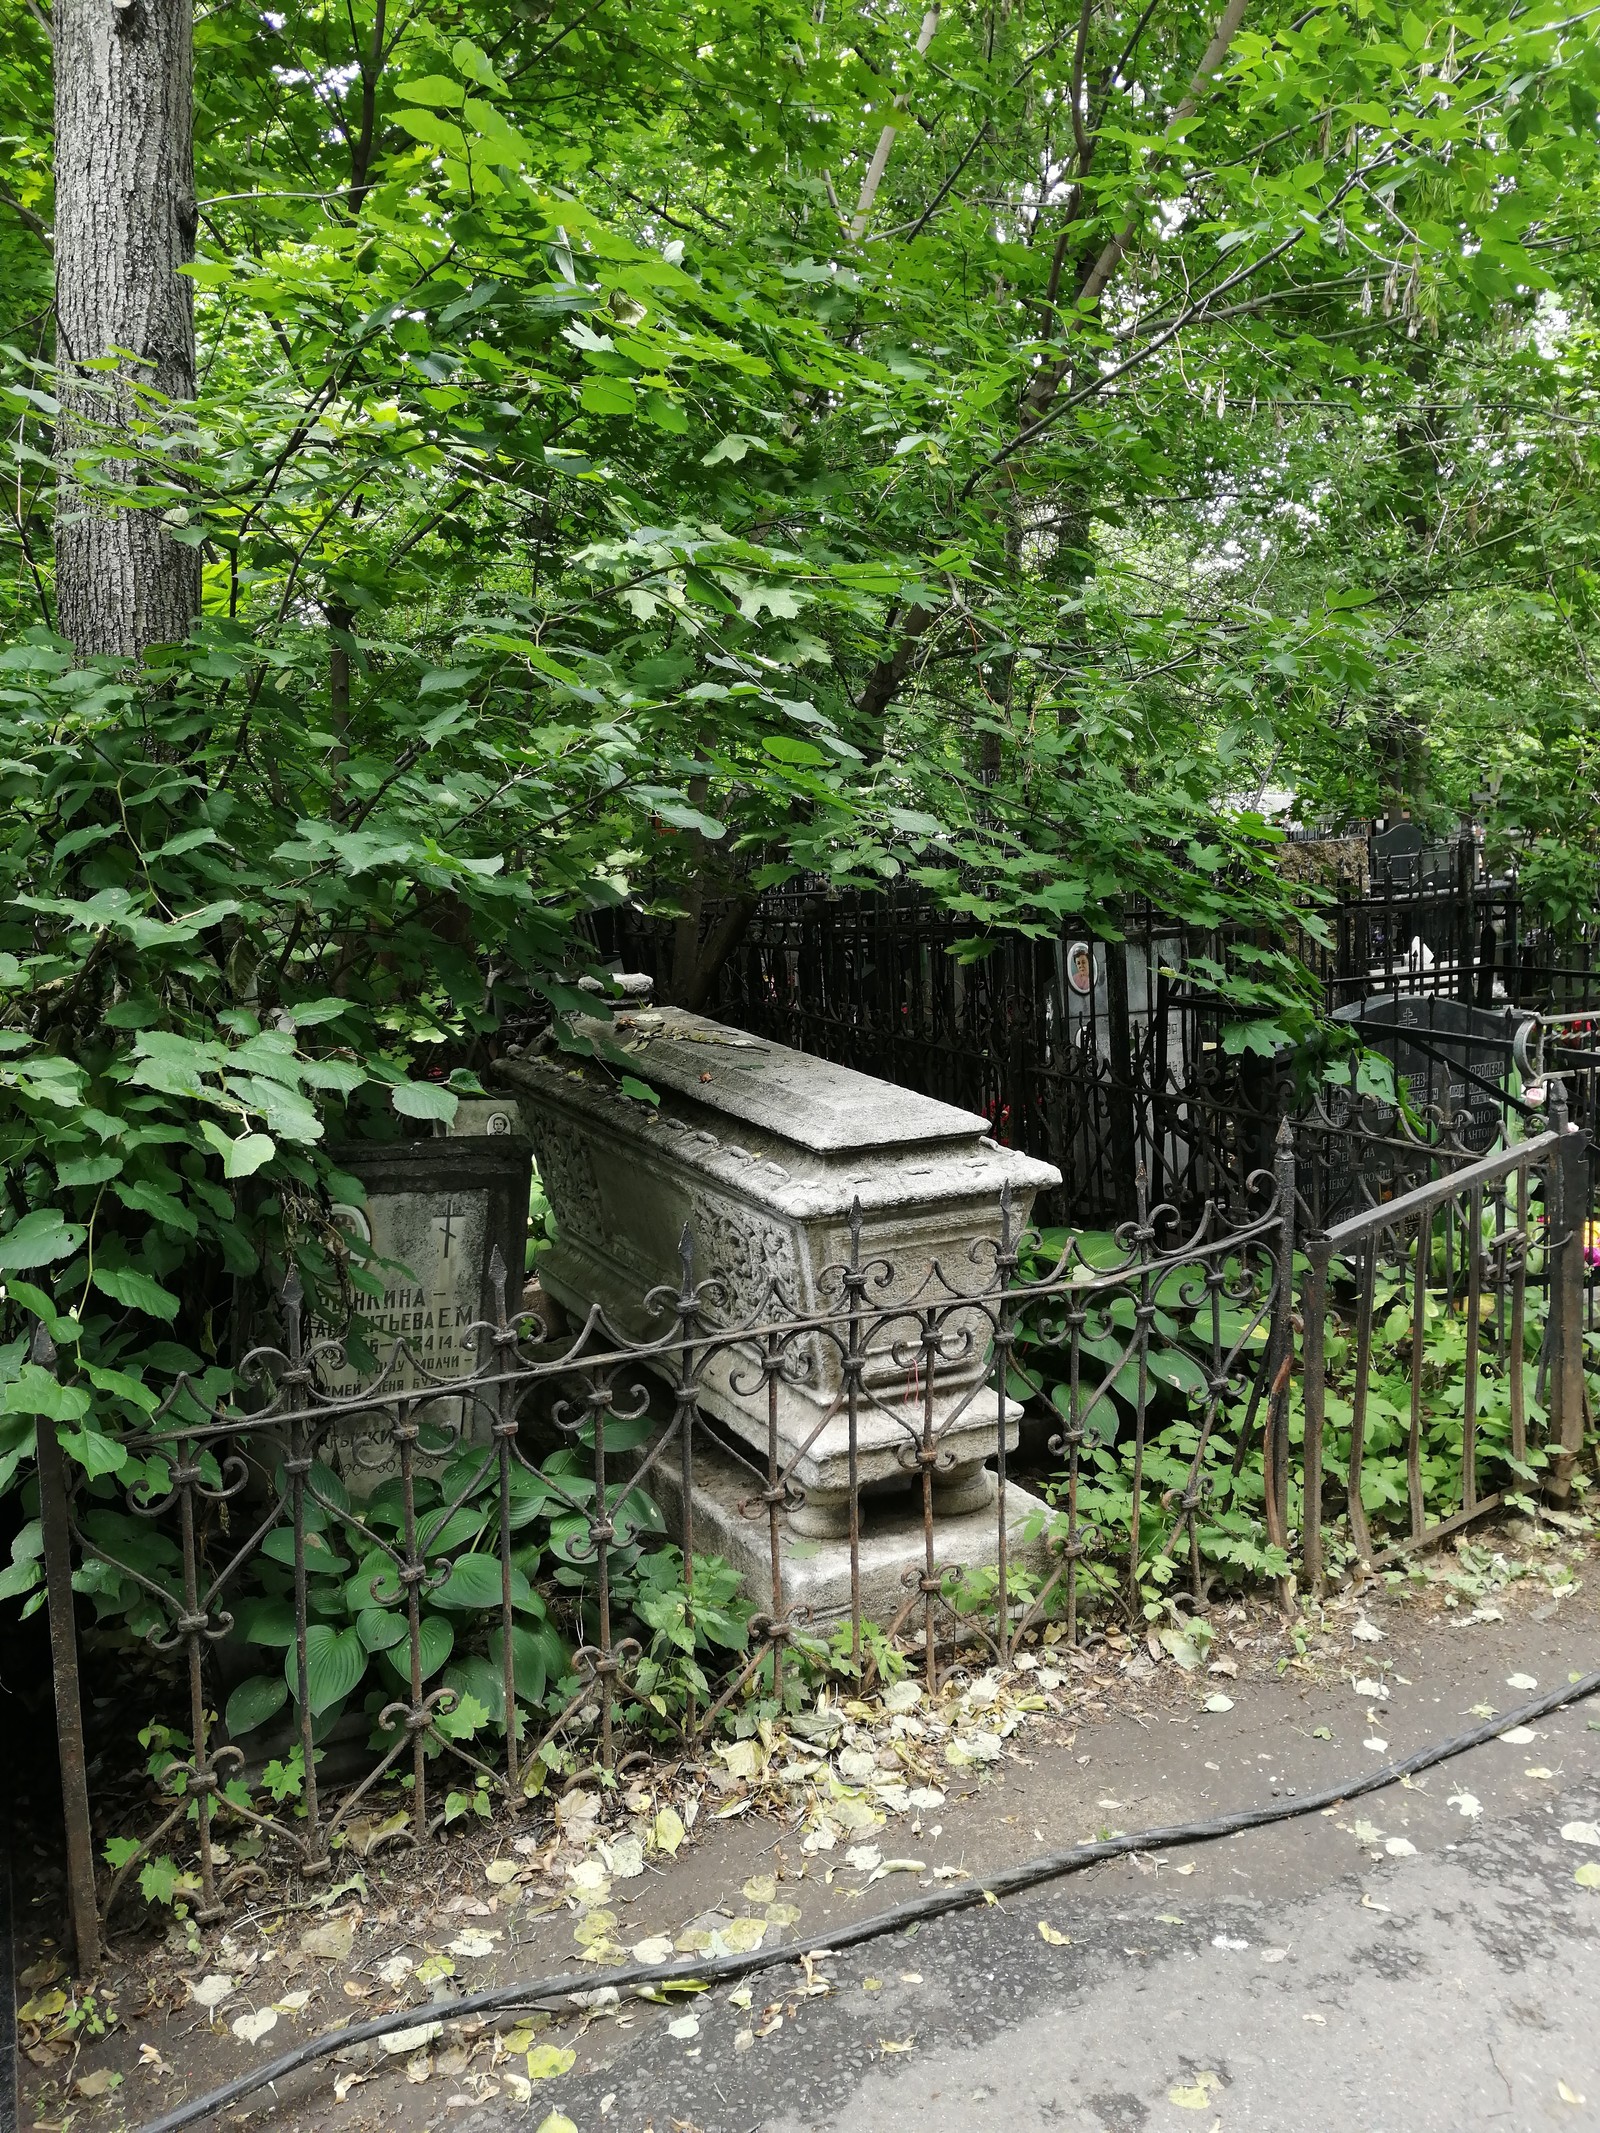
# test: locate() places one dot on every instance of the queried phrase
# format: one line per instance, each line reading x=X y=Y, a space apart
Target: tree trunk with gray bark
x=124 y=225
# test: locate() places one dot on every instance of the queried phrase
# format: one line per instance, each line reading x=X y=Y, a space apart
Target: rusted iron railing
x=1452 y=1262
x=414 y=1496
x=468 y=1588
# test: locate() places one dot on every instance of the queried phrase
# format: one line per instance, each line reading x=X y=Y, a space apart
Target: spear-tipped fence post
x=1280 y=1355
x=1567 y=1186
x=56 y=1531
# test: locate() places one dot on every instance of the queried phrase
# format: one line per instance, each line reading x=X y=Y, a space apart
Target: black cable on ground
x=1007 y=1881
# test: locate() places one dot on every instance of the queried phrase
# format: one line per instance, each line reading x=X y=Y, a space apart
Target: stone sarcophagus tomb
x=762 y=1153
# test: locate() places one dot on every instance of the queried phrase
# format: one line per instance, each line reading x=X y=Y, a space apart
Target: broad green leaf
x=138 y=1292
x=424 y=1099
x=335 y=1662
x=253 y=1702
x=39 y=1239
x=94 y=1451
x=37 y=1391
x=731 y=449
x=380 y=1628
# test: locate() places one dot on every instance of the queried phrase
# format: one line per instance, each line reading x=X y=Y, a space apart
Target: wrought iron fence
x=494 y=1581
x=1473 y=1282
x=1105 y=1058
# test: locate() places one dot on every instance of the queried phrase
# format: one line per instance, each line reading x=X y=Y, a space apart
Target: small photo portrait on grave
x=1080 y=967
x=352 y=1220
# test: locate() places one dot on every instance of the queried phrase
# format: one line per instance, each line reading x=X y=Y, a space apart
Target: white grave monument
x=762 y=1152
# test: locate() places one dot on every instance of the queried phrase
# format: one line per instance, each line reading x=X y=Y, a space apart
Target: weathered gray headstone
x=435 y=1211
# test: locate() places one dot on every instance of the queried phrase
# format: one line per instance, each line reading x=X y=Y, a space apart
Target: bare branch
x=880 y=155
x=1215 y=53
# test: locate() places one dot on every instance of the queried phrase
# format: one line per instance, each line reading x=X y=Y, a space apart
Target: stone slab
x=807 y=1101
x=816 y=1574
x=435 y=1212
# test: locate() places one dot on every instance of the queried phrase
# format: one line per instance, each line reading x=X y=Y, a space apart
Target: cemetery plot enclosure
x=513 y=1604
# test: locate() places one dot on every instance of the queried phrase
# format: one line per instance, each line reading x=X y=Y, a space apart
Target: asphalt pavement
x=1425 y=1961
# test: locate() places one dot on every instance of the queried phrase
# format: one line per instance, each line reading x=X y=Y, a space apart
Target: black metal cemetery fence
x=461 y=1564
x=1108 y=1058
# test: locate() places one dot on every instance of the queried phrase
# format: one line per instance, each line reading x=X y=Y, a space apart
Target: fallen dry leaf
x=332 y=1942
x=400 y=2041
x=743 y=1935
x=251 y=2028
x=1056 y=1939
x=898 y=1866
x=1195 y=2095
x=625 y=1857
x=667 y=1831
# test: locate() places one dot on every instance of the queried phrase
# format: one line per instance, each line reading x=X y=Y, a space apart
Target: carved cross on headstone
x=445 y=1225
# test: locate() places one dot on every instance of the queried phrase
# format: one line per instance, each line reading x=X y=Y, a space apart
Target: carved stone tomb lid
x=794 y=1096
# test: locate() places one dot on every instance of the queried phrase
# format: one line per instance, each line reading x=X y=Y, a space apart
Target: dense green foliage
x=598 y=496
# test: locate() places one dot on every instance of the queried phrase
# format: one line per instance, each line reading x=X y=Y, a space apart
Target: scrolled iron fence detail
x=415 y=1488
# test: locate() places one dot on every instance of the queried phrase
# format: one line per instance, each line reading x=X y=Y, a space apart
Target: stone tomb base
x=816 y=1573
